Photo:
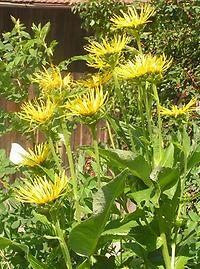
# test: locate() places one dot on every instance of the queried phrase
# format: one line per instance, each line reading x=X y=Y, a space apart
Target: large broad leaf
x=163 y=157
x=121 y=228
x=84 y=237
x=168 y=177
x=146 y=237
x=138 y=166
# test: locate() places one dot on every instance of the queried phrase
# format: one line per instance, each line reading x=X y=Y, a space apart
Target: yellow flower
x=87 y=104
x=106 y=54
x=98 y=62
x=37 y=111
x=116 y=45
x=41 y=190
x=51 y=79
x=36 y=156
x=144 y=65
x=132 y=19
x=95 y=80
x=176 y=111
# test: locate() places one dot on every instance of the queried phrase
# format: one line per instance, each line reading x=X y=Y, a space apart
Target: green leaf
x=194 y=159
x=84 y=237
x=145 y=236
x=141 y=196
x=126 y=159
x=35 y=264
x=168 y=177
x=4 y=242
x=167 y=159
x=122 y=229
x=84 y=265
x=181 y=262
x=41 y=218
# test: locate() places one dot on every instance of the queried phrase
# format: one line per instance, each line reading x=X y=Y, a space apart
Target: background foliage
x=21 y=53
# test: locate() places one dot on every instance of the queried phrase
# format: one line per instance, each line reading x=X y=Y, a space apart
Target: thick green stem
x=55 y=156
x=173 y=247
x=165 y=251
x=63 y=245
x=96 y=150
x=140 y=109
x=148 y=113
x=110 y=134
x=160 y=140
x=72 y=171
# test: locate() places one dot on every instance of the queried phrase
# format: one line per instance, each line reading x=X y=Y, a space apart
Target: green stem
x=121 y=100
x=165 y=251
x=96 y=150
x=173 y=247
x=160 y=140
x=55 y=156
x=137 y=36
x=72 y=170
x=63 y=245
x=185 y=160
x=148 y=113
x=110 y=134
x=141 y=98
x=140 y=109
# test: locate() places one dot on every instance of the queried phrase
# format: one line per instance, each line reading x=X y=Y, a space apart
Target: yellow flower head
x=107 y=53
x=144 y=65
x=116 y=45
x=176 y=111
x=41 y=190
x=95 y=80
x=87 y=104
x=51 y=79
x=99 y=62
x=132 y=19
x=37 y=111
x=36 y=156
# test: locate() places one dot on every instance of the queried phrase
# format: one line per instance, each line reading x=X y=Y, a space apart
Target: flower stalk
x=96 y=150
x=55 y=156
x=165 y=250
x=72 y=170
x=121 y=100
x=110 y=134
x=160 y=139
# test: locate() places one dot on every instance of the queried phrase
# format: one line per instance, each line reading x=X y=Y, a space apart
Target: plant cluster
x=83 y=217
x=21 y=54
x=174 y=31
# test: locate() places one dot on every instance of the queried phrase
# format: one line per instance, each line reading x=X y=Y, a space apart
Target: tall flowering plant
x=135 y=209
